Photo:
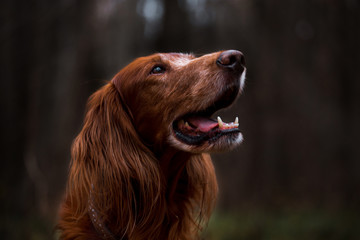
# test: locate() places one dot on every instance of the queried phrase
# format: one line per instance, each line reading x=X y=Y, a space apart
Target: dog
x=140 y=167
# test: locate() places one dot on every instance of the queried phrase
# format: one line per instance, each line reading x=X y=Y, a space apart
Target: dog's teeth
x=236 y=120
x=220 y=122
x=187 y=125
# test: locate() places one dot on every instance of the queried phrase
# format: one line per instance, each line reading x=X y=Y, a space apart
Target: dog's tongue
x=202 y=123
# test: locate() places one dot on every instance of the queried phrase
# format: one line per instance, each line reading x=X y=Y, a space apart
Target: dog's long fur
x=130 y=178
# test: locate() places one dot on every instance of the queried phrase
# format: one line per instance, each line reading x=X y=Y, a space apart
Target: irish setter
x=140 y=166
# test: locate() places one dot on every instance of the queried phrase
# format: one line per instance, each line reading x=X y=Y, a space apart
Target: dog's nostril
x=231 y=59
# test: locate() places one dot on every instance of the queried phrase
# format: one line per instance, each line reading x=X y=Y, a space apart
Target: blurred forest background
x=296 y=176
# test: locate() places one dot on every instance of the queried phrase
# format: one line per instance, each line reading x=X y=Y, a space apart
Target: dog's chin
x=220 y=143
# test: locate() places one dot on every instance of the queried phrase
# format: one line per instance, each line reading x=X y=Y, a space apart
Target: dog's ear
x=112 y=169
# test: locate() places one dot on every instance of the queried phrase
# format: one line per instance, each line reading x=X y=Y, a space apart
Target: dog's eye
x=157 y=70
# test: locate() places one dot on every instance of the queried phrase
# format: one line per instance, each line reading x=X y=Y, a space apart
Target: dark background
x=297 y=174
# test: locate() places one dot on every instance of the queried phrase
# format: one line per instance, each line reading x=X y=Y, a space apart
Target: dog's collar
x=98 y=224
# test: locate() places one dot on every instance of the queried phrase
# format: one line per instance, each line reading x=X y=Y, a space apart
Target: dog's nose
x=232 y=60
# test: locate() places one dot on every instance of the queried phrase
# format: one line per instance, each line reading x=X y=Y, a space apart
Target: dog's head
x=171 y=98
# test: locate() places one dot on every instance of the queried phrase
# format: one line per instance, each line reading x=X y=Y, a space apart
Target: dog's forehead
x=177 y=59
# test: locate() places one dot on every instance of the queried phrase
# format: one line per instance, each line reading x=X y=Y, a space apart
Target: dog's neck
x=173 y=160
x=172 y=163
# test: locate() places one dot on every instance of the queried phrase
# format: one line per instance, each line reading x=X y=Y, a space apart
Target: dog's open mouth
x=199 y=127
x=193 y=129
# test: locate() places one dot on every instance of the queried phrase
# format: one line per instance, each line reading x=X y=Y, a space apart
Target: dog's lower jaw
x=224 y=143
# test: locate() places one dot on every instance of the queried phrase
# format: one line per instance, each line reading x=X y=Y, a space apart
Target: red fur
x=123 y=164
